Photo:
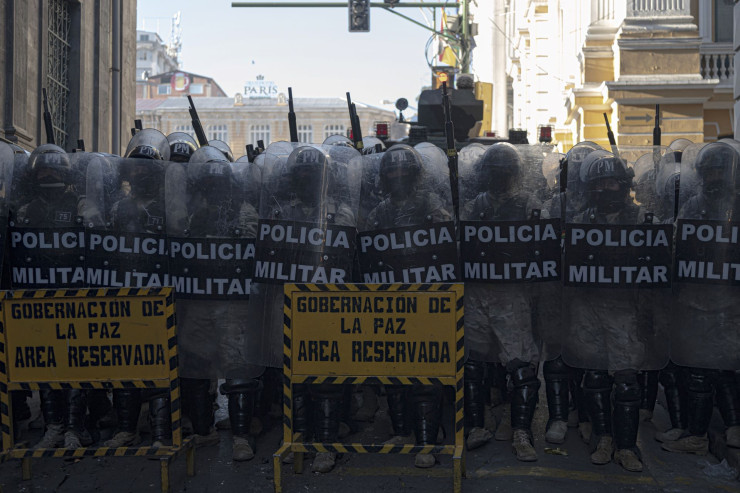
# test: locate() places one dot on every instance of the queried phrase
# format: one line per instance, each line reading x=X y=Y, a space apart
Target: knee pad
x=627 y=388
x=699 y=380
x=556 y=369
x=239 y=386
x=597 y=381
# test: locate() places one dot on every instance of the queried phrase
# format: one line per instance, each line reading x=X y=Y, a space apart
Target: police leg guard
x=728 y=398
x=327 y=401
x=597 y=391
x=475 y=394
x=576 y=393
x=76 y=409
x=242 y=396
x=524 y=396
x=648 y=381
x=700 y=399
x=302 y=405
x=160 y=418
x=127 y=403
x=427 y=402
x=398 y=398
x=627 y=399
x=21 y=410
x=557 y=388
x=675 y=395
x=197 y=403
x=53 y=406
x=498 y=388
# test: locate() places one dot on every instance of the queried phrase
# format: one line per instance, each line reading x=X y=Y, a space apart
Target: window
x=59 y=60
x=188 y=129
x=144 y=37
x=163 y=89
x=259 y=132
x=142 y=55
x=218 y=132
x=330 y=130
x=196 y=88
x=305 y=134
x=723 y=17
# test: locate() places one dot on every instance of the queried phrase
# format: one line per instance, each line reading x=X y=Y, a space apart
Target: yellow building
x=239 y=121
x=570 y=62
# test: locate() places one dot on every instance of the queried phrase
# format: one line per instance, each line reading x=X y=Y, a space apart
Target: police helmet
x=182 y=146
x=208 y=154
x=148 y=144
x=601 y=165
x=338 y=140
x=223 y=147
x=50 y=157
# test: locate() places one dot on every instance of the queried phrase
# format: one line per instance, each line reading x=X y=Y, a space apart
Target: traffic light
x=359 y=16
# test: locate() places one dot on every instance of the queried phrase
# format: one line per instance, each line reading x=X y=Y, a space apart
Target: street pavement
x=489 y=469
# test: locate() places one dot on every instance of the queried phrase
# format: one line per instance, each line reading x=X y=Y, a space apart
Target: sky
x=308 y=49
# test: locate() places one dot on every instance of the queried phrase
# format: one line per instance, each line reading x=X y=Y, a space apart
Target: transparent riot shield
x=211 y=262
x=46 y=228
x=507 y=247
x=705 y=310
x=616 y=264
x=407 y=234
x=306 y=234
x=7 y=160
x=130 y=248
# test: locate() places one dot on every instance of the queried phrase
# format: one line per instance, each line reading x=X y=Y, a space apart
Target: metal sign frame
x=293 y=443
x=172 y=382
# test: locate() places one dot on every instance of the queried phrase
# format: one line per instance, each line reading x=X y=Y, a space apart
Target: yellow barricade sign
x=391 y=334
x=90 y=339
x=86 y=338
x=374 y=333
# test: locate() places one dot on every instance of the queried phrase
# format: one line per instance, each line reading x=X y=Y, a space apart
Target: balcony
x=717 y=62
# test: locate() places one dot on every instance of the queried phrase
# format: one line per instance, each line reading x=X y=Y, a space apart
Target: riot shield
x=306 y=234
x=211 y=263
x=46 y=228
x=705 y=313
x=408 y=235
x=616 y=264
x=506 y=248
x=130 y=248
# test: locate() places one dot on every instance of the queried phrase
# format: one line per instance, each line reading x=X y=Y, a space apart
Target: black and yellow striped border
x=294 y=444
x=172 y=383
x=21 y=453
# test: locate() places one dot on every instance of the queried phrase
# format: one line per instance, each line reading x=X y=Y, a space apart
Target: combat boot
x=732 y=436
x=324 y=462
x=557 y=431
x=628 y=460
x=522 y=446
x=477 y=438
x=53 y=438
x=604 y=450
x=691 y=444
x=241 y=449
x=669 y=435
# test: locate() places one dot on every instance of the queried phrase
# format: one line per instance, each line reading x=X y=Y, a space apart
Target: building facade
x=569 y=63
x=153 y=57
x=239 y=121
x=177 y=83
x=78 y=51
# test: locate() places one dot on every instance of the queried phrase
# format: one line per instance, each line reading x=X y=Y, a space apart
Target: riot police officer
x=54 y=204
x=405 y=200
x=142 y=211
x=499 y=316
x=705 y=316
x=613 y=336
